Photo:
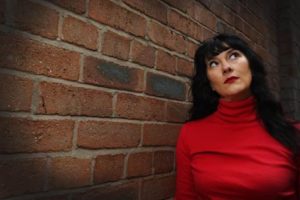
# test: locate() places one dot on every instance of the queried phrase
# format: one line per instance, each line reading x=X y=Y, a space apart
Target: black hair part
x=269 y=111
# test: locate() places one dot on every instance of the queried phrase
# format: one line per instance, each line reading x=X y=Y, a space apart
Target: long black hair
x=269 y=110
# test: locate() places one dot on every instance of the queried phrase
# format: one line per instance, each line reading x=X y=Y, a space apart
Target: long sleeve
x=185 y=189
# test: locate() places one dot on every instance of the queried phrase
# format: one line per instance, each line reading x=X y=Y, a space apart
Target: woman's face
x=230 y=75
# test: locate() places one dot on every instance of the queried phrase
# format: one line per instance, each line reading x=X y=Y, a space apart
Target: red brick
x=53 y=197
x=207 y=34
x=2 y=11
x=228 y=16
x=109 y=13
x=185 y=25
x=31 y=56
x=185 y=67
x=139 y=164
x=124 y=191
x=192 y=47
x=108 y=74
x=163 y=161
x=69 y=172
x=153 y=8
x=142 y=54
x=138 y=107
x=77 y=6
x=164 y=86
x=35 y=18
x=216 y=7
x=177 y=112
x=22 y=176
x=116 y=45
x=158 y=188
x=165 y=62
x=179 y=4
x=104 y=134
x=56 y=98
x=25 y=135
x=165 y=37
x=108 y=168
x=202 y=15
x=15 y=93
x=80 y=33
x=160 y=134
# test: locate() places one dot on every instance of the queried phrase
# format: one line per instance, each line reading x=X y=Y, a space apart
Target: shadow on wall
x=37 y=160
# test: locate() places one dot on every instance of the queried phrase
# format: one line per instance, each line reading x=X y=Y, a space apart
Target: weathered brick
x=56 y=98
x=141 y=54
x=185 y=67
x=104 y=134
x=111 y=14
x=25 y=135
x=185 y=25
x=238 y=23
x=166 y=37
x=104 y=73
x=52 y=197
x=138 y=107
x=77 y=6
x=116 y=45
x=153 y=8
x=22 y=176
x=139 y=164
x=163 y=161
x=160 y=134
x=216 y=7
x=125 y=191
x=158 y=188
x=15 y=93
x=163 y=86
x=69 y=172
x=177 y=112
x=35 y=18
x=179 y=4
x=80 y=33
x=2 y=11
x=207 y=34
x=228 y=16
x=108 y=168
x=202 y=15
x=31 y=56
x=191 y=47
x=165 y=62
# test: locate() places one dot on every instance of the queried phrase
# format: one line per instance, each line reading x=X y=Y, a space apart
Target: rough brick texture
x=15 y=93
x=103 y=73
x=43 y=21
x=109 y=168
x=80 y=33
x=93 y=93
x=31 y=56
x=25 y=135
x=62 y=99
x=68 y=172
x=97 y=135
x=139 y=164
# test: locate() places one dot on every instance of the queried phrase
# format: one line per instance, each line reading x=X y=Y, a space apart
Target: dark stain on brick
x=115 y=72
x=165 y=87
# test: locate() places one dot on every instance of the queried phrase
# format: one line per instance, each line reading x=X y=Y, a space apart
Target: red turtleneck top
x=230 y=156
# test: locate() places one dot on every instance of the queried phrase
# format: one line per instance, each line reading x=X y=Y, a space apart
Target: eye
x=233 y=55
x=212 y=64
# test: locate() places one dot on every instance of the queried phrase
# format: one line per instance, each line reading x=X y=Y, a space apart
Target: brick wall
x=289 y=49
x=94 y=92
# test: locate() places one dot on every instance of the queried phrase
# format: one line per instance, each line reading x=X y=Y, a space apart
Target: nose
x=226 y=67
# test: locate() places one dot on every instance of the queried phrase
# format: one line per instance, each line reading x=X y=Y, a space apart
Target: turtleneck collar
x=237 y=111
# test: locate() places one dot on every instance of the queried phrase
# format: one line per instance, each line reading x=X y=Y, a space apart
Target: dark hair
x=269 y=111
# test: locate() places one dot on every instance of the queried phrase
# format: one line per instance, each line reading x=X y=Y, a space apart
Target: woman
x=237 y=145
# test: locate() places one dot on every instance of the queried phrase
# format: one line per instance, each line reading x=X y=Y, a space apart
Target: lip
x=231 y=79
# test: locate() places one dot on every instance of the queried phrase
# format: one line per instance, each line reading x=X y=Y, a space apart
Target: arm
x=184 y=181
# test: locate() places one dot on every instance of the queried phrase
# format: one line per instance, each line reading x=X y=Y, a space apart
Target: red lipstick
x=231 y=79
